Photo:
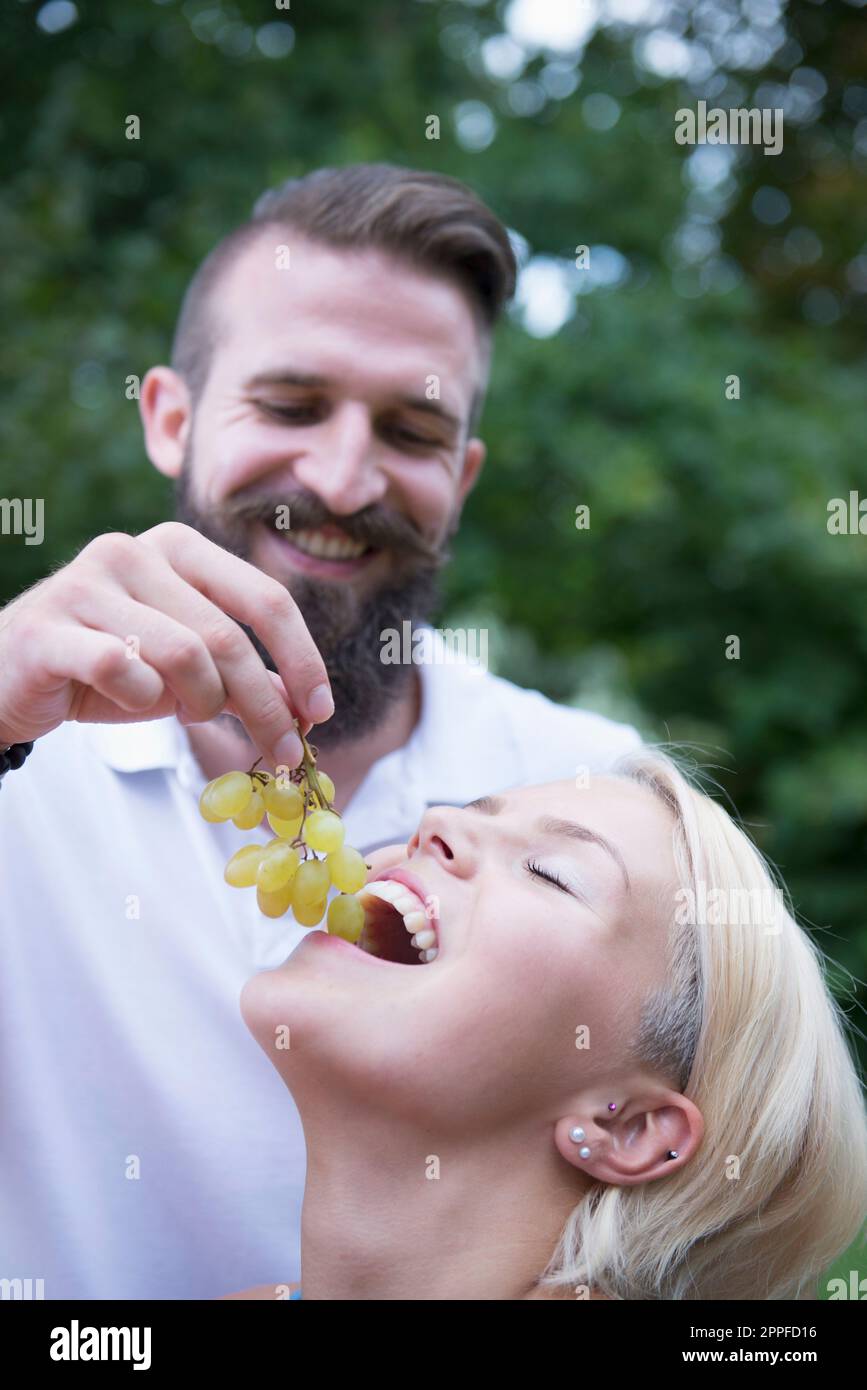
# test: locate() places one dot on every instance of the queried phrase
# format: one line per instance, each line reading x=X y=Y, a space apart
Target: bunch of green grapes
x=284 y=871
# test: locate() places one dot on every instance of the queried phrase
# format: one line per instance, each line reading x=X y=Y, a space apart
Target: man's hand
x=136 y=628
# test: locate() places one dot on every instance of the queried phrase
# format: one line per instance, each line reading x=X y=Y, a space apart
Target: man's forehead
x=294 y=284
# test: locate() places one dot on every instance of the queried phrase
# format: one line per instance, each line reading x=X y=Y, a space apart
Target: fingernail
x=320 y=705
x=289 y=751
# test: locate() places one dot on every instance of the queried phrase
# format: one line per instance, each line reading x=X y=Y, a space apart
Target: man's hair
x=428 y=221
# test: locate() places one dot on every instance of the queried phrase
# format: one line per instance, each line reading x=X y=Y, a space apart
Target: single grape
x=284 y=801
x=230 y=794
x=310 y=914
x=347 y=868
x=240 y=872
x=326 y=784
x=286 y=829
x=275 y=904
x=252 y=812
x=345 y=917
x=277 y=866
x=324 y=831
x=311 y=883
x=206 y=808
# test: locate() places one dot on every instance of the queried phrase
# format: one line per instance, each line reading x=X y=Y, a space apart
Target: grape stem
x=306 y=771
x=309 y=765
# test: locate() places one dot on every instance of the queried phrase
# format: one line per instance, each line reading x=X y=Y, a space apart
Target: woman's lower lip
x=285 y=551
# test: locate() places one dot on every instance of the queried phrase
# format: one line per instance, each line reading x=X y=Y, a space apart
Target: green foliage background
x=708 y=515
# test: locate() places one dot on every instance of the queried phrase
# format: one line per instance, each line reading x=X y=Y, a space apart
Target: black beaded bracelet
x=14 y=756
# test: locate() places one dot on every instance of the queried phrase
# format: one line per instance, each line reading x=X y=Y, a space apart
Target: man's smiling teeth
x=326 y=547
x=411 y=909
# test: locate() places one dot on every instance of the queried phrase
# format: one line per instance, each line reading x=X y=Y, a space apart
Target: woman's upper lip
x=411 y=881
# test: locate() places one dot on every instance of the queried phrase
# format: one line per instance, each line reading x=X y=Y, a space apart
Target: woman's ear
x=650 y=1137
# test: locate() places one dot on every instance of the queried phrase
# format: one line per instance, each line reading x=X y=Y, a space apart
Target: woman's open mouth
x=400 y=925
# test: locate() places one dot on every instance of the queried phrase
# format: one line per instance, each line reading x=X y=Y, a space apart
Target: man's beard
x=346 y=628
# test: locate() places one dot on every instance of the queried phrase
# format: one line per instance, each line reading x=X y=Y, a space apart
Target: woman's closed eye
x=536 y=871
x=568 y=882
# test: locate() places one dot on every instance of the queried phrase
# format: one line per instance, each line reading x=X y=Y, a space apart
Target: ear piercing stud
x=576 y=1135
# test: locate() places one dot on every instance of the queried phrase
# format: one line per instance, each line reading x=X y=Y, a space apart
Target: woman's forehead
x=635 y=822
x=584 y=792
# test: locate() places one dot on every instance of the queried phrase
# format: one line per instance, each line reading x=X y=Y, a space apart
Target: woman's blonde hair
x=746 y=1028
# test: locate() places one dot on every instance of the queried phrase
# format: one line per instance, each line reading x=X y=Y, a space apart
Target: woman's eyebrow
x=574 y=831
x=492 y=805
x=488 y=805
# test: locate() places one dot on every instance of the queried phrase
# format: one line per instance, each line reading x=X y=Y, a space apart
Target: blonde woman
x=619 y=1075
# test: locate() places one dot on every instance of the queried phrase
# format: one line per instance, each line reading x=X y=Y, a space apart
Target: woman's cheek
x=386 y=858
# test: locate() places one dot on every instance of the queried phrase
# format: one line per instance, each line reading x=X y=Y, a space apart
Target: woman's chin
x=310 y=1013
x=298 y=998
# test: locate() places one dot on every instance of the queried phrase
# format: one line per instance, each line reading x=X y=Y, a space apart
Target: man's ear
x=474 y=457
x=167 y=417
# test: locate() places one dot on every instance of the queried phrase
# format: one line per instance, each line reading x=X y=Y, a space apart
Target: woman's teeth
x=411 y=909
x=327 y=547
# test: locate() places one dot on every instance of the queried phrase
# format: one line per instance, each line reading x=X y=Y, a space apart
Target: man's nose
x=343 y=466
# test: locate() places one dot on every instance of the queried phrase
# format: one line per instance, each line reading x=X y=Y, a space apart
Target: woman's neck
x=405 y=1215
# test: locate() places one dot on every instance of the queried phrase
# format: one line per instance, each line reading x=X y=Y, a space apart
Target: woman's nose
x=442 y=836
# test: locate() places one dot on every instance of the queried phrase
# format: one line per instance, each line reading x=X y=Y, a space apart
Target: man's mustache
x=374 y=526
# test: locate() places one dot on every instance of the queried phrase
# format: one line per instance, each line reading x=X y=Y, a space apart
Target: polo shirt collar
x=444 y=743
x=138 y=747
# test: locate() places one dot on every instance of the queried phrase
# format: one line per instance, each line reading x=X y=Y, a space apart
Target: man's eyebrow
x=285 y=377
x=290 y=377
x=492 y=805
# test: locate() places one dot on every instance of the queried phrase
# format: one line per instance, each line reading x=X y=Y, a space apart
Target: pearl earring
x=576 y=1135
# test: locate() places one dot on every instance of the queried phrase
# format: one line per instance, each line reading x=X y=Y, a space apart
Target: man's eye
x=288 y=412
x=417 y=441
x=536 y=871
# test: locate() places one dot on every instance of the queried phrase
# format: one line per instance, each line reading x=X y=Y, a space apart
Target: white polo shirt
x=148 y=1148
